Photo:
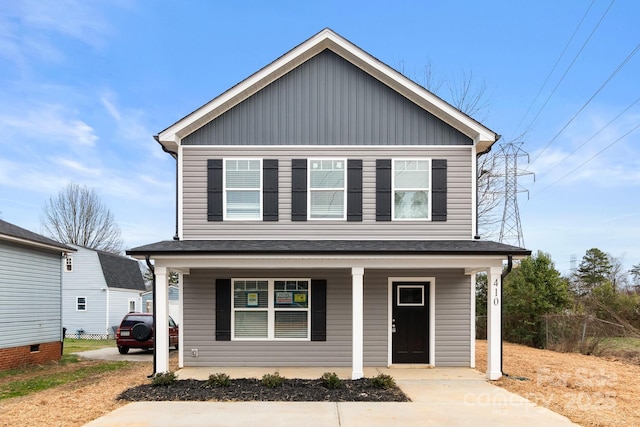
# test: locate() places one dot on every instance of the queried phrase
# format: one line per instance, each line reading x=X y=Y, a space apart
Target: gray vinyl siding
x=30 y=289
x=86 y=280
x=327 y=101
x=459 y=224
x=452 y=321
x=198 y=326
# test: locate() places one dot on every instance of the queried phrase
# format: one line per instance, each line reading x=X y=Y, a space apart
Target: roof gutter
x=175 y=156
x=477 y=235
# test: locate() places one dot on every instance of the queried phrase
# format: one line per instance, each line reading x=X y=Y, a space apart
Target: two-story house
x=326 y=216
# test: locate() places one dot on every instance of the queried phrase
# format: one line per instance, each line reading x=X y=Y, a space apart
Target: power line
x=591 y=138
x=588 y=160
x=553 y=69
x=620 y=67
x=565 y=74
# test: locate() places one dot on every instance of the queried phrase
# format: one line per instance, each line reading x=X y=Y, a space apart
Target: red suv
x=136 y=331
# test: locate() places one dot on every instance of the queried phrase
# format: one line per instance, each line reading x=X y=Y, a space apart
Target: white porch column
x=357 y=340
x=162 y=320
x=494 y=323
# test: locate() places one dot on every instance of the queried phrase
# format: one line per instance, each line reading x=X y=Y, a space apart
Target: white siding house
x=30 y=297
x=99 y=288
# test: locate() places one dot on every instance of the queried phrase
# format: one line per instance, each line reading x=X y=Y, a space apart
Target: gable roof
x=121 y=272
x=482 y=136
x=13 y=233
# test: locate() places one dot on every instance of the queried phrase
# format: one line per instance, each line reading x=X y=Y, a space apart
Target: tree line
x=599 y=288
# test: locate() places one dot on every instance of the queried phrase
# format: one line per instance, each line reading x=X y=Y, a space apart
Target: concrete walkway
x=456 y=397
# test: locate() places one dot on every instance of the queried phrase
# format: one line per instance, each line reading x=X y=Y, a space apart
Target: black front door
x=410 y=323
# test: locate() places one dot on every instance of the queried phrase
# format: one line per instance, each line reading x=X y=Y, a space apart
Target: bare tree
x=470 y=96
x=78 y=216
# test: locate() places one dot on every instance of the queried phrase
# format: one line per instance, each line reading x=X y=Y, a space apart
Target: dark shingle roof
x=346 y=247
x=121 y=272
x=10 y=230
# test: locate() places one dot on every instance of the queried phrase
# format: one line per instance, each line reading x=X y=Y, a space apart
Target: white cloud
x=48 y=123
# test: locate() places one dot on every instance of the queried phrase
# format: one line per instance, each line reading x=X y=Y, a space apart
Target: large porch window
x=271 y=309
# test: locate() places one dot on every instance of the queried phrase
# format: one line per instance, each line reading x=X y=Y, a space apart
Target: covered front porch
x=361 y=266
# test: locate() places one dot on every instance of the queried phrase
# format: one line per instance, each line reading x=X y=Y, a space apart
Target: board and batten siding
x=459 y=223
x=30 y=289
x=86 y=280
x=326 y=101
x=452 y=320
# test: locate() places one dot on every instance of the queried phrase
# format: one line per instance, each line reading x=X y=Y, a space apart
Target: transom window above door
x=411 y=189
x=243 y=189
x=327 y=182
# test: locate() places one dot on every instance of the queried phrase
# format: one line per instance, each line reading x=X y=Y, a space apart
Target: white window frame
x=270 y=309
x=428 y=189
x=78 y=304
x=131 y=300
x=259 y=189
x=401 y=304
x=68 y=264
x=311 y=190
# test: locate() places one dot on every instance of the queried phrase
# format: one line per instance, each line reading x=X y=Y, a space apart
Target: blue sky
x=86 y=84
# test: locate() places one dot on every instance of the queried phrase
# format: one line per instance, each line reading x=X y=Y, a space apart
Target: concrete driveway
x=456 y=397
x=111 y=353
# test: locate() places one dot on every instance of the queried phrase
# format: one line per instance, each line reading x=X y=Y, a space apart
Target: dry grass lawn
x=591 y=391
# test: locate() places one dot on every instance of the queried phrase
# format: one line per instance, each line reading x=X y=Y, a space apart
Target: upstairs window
x=411 y=189
x=327 y=195
x=68 y=265
x=243 y=189
x=81 y=304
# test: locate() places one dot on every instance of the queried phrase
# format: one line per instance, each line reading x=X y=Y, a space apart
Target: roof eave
x=482 y=136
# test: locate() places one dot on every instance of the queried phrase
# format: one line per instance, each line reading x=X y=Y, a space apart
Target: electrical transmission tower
x=511 y=229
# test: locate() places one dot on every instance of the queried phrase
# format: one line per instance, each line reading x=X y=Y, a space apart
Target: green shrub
x=331 y=380
x=382 y=381
x=272 y=380
x=218 y=380
x=163 y=379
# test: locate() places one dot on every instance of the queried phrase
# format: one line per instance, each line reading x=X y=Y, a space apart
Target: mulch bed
x=292 y=390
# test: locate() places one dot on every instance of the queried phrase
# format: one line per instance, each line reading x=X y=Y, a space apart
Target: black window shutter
x=223 y=309
x=383 y=190
x=318 y=310
x=439 y=190
x=214 y=190
x=298 y=189
x=270 y=190
x=354 y=190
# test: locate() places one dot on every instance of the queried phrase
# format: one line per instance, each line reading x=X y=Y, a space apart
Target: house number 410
x=496 y=297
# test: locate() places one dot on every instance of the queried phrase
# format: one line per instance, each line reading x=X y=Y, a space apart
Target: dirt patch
x=291 y=390
x=590 y=390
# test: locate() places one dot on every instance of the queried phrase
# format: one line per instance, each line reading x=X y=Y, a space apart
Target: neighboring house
x=99 y=288
x=174 y=305
x=30 y=289
x=327 y=217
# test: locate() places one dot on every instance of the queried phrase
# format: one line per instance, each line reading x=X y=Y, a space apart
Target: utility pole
x=511 y=228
